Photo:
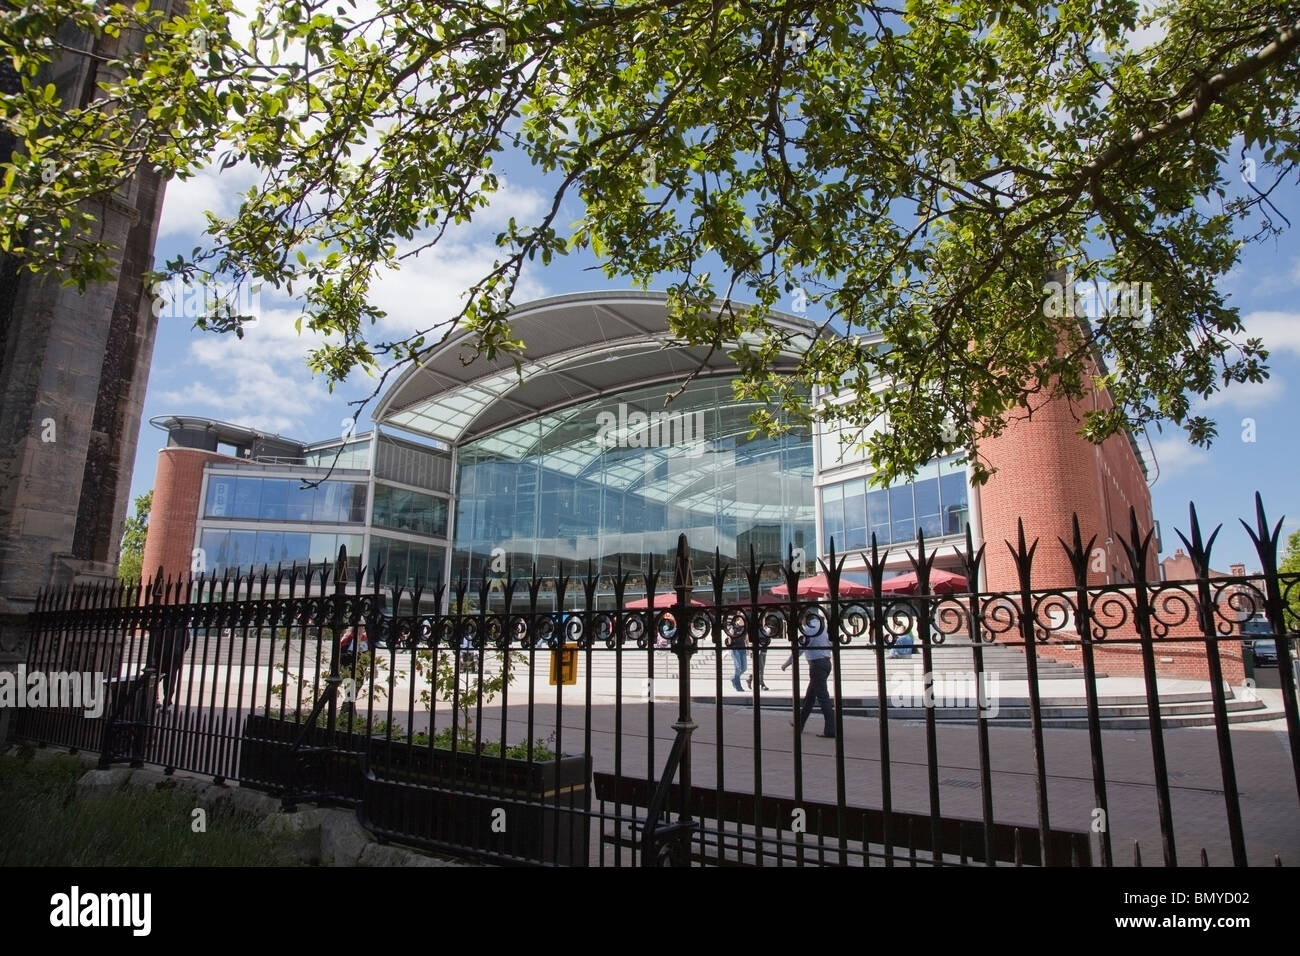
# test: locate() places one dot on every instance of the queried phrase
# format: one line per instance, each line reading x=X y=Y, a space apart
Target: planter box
x=504 y=808
x=267 y=761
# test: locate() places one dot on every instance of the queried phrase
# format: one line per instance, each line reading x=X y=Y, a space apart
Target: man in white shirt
x=817 y=652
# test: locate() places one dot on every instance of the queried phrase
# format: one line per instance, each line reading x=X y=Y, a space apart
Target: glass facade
x=412 y=464
x=612 y=481
x=284 y=499
x=240 y=550
x=411 y=511
x=622 y=477
x=354 y=455
x=406 y=563
x=935 y=501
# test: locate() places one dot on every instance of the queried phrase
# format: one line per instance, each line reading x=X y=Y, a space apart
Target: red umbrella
x=941 y=582
x=663 y=602
x=819 y=586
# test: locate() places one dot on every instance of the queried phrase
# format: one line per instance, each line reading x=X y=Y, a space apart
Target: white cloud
x=211 y=189
x=1175 y=454
x=261 y=381
x=431 y=290
x=1247 y=396
x=1150 y=33
x=1279 y=330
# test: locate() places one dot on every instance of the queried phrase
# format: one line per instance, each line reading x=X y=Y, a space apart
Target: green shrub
x=48 y=821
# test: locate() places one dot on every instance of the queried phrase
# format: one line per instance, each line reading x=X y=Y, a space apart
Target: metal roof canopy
x=577 y=348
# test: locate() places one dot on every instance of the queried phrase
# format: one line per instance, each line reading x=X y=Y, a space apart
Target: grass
x=355 y=723
x=48 y=821
x=490 y=748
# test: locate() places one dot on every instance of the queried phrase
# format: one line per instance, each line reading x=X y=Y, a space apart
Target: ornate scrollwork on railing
x=545 y=631
x=702 y=625
x=444 y=635
x=812 y=622
x=855 y=623
x=899 y=618
x=1171 y=606
x=1111 y=609
x=1054 y=612
x=950 y=617
x=1289 y=588
x=999 y=616
x=1236 y=601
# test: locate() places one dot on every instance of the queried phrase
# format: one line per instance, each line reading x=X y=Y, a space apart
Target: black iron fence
x=1073 y=725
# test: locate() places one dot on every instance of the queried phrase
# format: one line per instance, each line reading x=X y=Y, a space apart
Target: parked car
x=1254 y=627
x=1265 y=651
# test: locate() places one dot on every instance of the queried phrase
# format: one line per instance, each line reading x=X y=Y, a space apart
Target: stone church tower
x=73 y=371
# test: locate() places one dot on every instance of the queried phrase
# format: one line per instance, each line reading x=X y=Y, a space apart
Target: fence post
x=1265 y=542
x=666 y=844
x=1137 y=547
x=129 y=705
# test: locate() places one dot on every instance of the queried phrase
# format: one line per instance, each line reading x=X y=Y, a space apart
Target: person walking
x=736 y=639
x=818 y=654
x=168 y=653
x=759 y=657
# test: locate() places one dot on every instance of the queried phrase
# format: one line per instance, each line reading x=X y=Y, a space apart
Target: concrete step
x=1120 y=713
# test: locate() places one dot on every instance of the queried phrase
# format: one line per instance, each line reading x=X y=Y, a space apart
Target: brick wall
x=1045 y=473
x=1175 y=656
x=178 y=483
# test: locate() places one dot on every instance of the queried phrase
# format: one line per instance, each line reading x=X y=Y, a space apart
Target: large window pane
x=396 y=571
x=216 y=552
x=427 y=514
x=299 y=502
x=417 y=565
x=381 y=513
x=331 y=504
x=903 y=522
x=247 y=495
x=221 y=496
x=878 y=515
x=297 y=548
x=275 y=495
x=833 y=512
x=270 y=547
x=243 y=549
x=324 y=547
x=927 y=507
x=956 y=510
x=357 y=511
x=855 y=515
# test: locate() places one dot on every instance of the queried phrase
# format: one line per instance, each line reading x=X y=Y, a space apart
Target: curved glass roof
x=579 y=347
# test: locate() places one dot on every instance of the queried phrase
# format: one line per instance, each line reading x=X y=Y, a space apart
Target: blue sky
x=262 y=380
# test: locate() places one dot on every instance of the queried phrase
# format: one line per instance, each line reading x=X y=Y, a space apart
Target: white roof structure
x=579 y=347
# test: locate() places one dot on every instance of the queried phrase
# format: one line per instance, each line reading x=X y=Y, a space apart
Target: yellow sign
x=564 y=665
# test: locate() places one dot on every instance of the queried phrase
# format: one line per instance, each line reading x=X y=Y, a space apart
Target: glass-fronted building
x=616 y=479
x=612 y=439
x=268 y=502
x=609 y=442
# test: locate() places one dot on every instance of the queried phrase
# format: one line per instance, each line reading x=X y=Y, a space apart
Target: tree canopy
x=1289 y=563
x=134 y=531
x=911 y=173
